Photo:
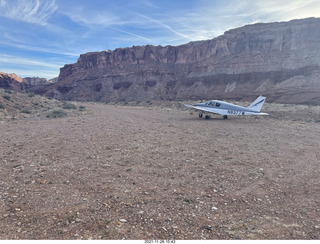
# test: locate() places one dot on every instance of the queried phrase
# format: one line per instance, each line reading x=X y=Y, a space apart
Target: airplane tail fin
x=257 y=104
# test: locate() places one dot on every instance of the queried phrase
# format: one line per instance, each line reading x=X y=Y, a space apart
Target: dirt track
x=122 y=172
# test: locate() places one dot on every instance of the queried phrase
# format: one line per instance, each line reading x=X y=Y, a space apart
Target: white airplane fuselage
x=226 y=109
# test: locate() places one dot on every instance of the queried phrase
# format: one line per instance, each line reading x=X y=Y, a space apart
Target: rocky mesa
x=11 y=82
x=279 y=60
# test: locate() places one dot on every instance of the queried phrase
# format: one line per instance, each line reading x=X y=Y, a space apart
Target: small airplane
x=225 y=109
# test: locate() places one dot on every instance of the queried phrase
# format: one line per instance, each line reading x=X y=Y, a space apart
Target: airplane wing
x=204 y=109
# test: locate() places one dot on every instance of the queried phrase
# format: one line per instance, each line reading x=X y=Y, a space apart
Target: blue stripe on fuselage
x=225 y=106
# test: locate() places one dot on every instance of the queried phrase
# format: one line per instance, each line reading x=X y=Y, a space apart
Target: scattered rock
x=98 y=203
x=214 y=208
x=207 y=227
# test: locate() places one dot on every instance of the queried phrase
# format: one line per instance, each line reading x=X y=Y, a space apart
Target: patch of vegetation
x=7 y=97
x=82 y=108
x=123 y=84
x=31 y=95
x=57 y=114
x=67 y=105
x=188 y=200
x=8 y=91
x=26 y=111
x=1 y=106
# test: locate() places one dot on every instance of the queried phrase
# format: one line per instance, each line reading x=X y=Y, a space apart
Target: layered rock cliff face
x=36 y=81
x=278 y=60
x=11 y=82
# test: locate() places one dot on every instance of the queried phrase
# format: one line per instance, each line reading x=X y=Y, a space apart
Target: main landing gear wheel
x=225 y=116
x=207 y=117
x=200 y=115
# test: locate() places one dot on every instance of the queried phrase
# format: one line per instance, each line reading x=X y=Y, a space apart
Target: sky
x=38 y=37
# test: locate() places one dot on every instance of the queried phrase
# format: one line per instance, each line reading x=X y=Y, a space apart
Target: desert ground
x=157 y=171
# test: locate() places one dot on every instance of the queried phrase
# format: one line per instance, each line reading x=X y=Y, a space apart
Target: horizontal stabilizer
x=188 y=106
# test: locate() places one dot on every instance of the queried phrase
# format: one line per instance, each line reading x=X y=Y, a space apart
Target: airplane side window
x=217 y=104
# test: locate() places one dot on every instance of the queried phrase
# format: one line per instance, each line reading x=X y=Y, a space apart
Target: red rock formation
x=279 y=60
x=11 y=81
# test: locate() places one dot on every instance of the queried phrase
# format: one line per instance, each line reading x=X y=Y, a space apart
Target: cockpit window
x=211 y=103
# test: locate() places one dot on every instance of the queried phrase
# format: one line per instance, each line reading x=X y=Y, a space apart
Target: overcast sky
x=37 y=37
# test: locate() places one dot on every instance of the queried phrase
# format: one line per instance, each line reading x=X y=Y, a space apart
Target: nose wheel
x=200 y=115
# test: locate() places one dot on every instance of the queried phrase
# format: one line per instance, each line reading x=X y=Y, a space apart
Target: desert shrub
x=123 y=84
x=171 y=83
x=31 y=95
x=26 y=111
x=98 y=87
x=57 y=114
x=151 y=83
x=7 y=97
x=67 y=105
x=8 y=91
x=82 y=108
x=1 y=106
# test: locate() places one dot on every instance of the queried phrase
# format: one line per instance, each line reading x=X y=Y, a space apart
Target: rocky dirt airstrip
x=156 y=171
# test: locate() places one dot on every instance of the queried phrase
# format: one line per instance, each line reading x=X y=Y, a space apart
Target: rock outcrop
x=36 y=81
x=278 y=60
x=11 y=81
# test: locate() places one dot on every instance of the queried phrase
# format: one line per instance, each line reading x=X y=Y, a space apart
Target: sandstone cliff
x=278 y=60
x=36 y=81
x=11 y=81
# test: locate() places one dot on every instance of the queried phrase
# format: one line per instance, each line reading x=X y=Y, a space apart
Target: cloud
x=26 y=66
x=95 y=20
x=23 y=72
x=162 y=24
x=129 y=33
x=8 y=59
x=17 y=44
x=90 y=18
x=209 y=19
x=30 y=11
x=62 y=29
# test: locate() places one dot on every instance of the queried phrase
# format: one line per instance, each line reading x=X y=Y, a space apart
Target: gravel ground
x=159 y=172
